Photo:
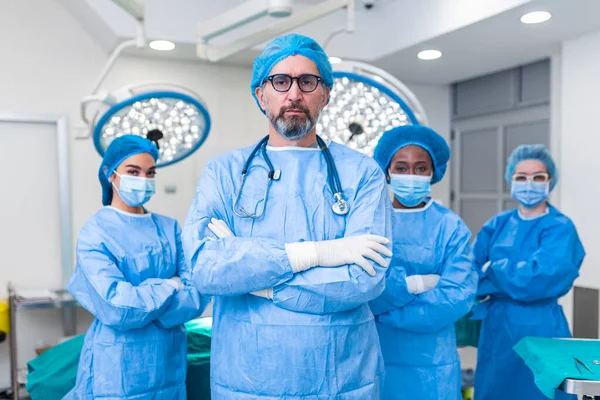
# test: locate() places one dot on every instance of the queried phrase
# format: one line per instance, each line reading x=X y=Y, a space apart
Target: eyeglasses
x=541 y=177
x=282 y=83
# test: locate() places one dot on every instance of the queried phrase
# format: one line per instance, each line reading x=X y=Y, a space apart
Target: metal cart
x=585 y=390
x=62 y=301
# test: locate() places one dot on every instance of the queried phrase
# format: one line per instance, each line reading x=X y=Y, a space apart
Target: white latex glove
x=266 y=293
x=334 y=253
x=430 y=281
x=220 y=228
x=485 y=266
x=417 y=284
x=175 y=282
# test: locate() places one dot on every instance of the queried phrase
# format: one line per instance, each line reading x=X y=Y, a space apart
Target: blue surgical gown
x=317 y=338
x=417 y=332
x=136 y=345
x=533 y=263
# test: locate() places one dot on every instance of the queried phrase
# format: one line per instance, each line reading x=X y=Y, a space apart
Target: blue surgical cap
x=118 y=151
x=537 y=152
x=286 y=46
x=396 y=138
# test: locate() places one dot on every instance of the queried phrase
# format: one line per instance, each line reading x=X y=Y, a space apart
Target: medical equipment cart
x=584 y=389
x=61 y=300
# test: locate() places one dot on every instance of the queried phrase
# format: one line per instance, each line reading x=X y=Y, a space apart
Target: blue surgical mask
x=410 y=190
x=135 y=191
x=530 y=194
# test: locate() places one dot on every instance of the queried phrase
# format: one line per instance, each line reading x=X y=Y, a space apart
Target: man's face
x=293 y=113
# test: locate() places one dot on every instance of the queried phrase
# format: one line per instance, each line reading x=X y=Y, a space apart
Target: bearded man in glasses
x=291 y=237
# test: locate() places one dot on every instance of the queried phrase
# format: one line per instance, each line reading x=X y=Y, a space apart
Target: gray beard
x=295 y=128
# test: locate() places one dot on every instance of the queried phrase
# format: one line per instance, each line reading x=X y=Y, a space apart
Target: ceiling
x=496 y=43
x=476 y=37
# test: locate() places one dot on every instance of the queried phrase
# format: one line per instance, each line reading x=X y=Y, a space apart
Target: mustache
x=293 y=106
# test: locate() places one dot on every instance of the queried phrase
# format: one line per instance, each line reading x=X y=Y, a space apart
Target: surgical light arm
x=137 y=12
x=242 y=15
x=132 y=7
x=227 y=22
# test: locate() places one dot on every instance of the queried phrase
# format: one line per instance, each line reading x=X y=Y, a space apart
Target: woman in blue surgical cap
x=131 y=275
x=526 y=259
x=431 y=282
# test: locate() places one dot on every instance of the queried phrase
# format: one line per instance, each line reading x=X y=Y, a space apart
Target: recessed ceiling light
x=161 y=45
x=335 y=60
x=429 y=54
x=536 y=17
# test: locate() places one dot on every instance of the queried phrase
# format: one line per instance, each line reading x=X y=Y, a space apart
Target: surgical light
x=177 y=122
x=366 y=101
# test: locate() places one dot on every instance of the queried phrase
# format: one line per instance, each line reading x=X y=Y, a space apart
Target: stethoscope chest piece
x=341 y=206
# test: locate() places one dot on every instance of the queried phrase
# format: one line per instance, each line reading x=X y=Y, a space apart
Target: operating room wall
x=579 y=138
x=46 y=67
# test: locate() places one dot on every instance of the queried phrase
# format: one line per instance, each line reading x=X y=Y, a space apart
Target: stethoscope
x=339 y=207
